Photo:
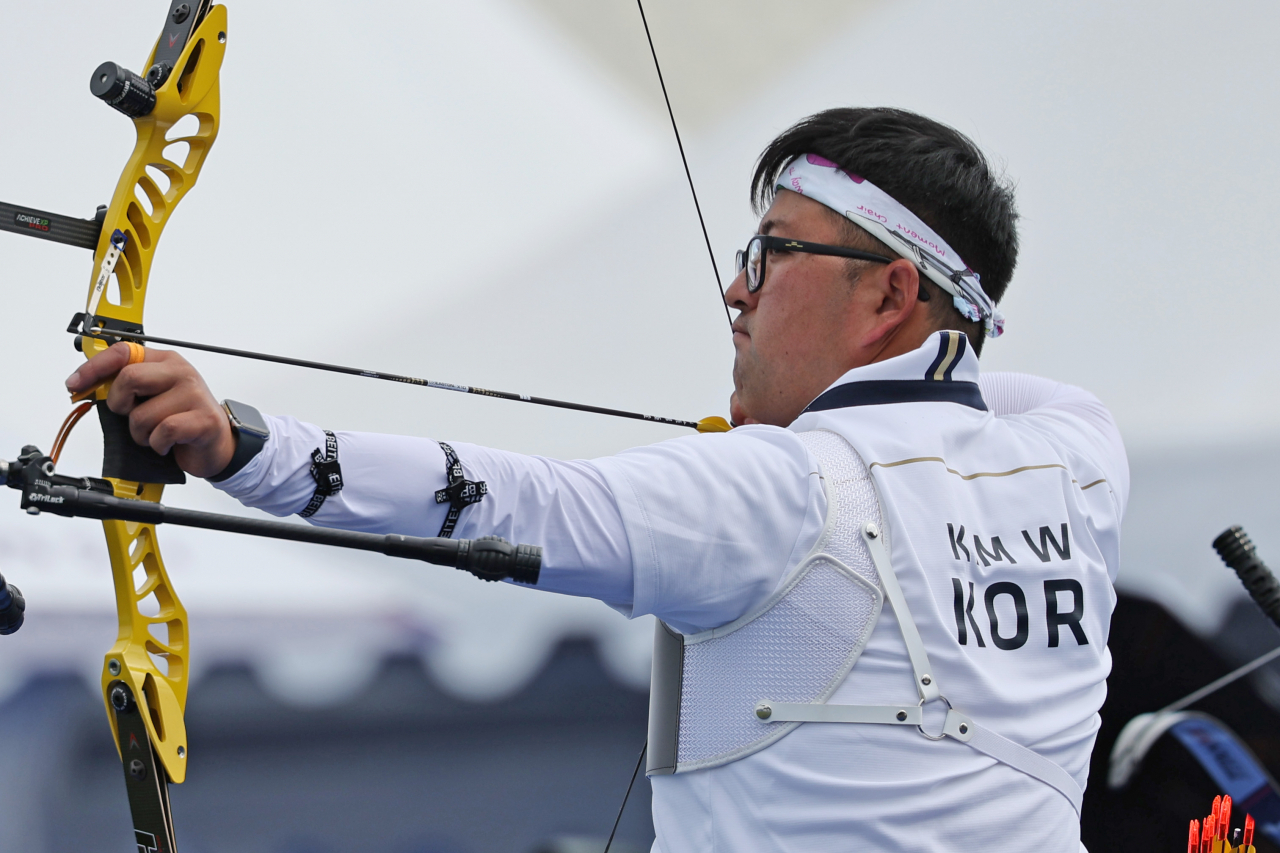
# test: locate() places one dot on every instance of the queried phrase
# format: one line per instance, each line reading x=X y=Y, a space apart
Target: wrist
x=249 y=435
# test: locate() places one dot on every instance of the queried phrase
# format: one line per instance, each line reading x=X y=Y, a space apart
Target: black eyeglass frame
x=769 y=244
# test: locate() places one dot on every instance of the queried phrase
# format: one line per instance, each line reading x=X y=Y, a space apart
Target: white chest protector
x=724 y=694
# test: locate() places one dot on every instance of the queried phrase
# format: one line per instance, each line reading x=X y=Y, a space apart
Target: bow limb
x=150 y=654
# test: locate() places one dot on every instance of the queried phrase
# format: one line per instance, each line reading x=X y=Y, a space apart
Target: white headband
x=898 y=228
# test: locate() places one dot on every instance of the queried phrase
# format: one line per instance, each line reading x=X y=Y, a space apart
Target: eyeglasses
x=758 y=248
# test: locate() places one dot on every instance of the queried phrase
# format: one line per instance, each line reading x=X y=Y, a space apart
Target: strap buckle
x=950 y=711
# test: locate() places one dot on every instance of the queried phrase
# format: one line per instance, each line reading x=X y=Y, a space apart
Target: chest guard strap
x=956 y=725
x=800 y=644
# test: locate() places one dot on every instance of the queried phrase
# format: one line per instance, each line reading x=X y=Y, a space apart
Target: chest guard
x=727 y=693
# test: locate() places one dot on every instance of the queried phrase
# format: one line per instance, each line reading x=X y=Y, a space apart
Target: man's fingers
x=102 y=366
x=196 y=428
x=148 y=414
x=161 y=373
x=168 y=405
x=202 y=448
x=137 y=381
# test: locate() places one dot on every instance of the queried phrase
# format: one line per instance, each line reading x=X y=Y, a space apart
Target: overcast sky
x=465 y=192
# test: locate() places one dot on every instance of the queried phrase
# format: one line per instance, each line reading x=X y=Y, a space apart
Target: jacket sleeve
x=1069 y=415
x=696 y=530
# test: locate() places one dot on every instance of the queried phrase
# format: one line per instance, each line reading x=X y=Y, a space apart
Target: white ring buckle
x=920 y=728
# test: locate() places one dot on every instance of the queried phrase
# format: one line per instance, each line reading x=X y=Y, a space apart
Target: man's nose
x=737 y=296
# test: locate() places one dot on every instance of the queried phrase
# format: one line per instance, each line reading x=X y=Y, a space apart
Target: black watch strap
x=251 y=433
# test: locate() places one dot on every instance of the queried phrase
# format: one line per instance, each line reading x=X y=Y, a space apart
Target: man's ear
x=893 y=292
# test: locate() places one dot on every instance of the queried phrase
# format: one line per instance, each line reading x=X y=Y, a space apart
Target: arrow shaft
x=388 y=377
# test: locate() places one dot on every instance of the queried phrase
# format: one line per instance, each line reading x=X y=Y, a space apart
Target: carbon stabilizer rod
x=1237 y=551
x=489 y=558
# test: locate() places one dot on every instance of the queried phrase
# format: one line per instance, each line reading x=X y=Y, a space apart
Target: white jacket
x=702 y=530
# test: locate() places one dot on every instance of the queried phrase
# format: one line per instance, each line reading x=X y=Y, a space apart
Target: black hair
x=933 y=170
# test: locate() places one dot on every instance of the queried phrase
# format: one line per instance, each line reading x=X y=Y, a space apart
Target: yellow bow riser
x=150 y=653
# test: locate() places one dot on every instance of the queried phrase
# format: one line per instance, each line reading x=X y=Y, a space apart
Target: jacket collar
x=943 y=370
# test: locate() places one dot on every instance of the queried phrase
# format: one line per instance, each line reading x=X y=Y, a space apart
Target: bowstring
x=711 y=255
x=617 y=820
x=685 y=161
x=657 y=66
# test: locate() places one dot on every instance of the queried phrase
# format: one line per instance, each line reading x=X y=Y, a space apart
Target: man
x=791 y=710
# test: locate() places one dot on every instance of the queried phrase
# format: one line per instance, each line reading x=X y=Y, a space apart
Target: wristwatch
x=251 y=434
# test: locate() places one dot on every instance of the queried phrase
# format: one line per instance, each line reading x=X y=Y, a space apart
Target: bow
x=145 y=674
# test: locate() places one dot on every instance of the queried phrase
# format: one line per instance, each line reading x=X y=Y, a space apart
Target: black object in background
x=12 y=607
x=1155 y=661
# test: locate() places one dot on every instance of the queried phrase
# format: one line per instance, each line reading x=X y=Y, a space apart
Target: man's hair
x=933 y=170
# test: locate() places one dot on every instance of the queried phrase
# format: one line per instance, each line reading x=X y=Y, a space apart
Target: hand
x=168 y=404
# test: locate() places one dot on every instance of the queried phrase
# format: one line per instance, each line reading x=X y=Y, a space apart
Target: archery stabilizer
x=1237 y=550
x=1219 y=750
x=489 y=558
x=52 y=226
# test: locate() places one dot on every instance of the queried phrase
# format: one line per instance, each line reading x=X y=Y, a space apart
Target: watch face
x=247 y=419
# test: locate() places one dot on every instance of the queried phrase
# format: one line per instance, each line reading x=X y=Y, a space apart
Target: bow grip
x=125 y=459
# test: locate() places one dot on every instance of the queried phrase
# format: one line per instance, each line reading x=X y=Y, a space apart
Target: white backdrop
x=463 y=192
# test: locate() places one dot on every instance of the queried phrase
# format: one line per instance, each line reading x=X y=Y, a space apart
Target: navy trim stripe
x=964 y=342
x=885 y=391
x=944 y=343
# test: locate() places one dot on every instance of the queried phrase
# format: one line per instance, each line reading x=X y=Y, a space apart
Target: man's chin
x=737 y=416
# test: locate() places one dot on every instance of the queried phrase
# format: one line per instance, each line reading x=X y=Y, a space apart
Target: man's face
x=808 y=324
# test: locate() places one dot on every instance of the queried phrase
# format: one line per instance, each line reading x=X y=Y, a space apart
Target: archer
x=791 y=709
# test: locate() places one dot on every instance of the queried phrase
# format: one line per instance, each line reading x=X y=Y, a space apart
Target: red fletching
x=1193 y=838
x=1206 y=835
x=1216 y=811
x=1224 y=817
x=1248 y=831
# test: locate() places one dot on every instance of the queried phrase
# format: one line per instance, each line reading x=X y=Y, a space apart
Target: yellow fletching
x=713 y=424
